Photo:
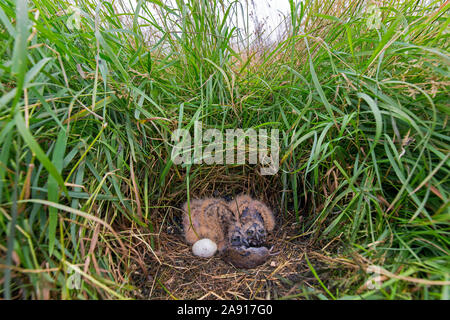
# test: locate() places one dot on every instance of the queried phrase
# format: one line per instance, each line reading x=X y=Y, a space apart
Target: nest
x=169 y=270
x=173 y=272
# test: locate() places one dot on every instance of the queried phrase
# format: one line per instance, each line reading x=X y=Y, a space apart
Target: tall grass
x=86 y=117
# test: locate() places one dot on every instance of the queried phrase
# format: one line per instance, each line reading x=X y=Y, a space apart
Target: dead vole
x=246 y=257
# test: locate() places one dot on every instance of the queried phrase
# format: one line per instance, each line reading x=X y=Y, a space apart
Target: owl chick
x=212 y=218
x=256 y=219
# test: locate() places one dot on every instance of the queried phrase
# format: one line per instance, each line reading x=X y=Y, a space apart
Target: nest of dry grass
x=173 y=272
x=164 y=267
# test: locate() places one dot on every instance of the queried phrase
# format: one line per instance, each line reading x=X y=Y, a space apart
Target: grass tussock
x=358 y=90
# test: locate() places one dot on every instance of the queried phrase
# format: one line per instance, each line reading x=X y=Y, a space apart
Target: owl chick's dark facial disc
x=253 y=227
x=237 y=237
x=255 y=235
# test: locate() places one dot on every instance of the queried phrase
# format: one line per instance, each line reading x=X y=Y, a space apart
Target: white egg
x=204 y=248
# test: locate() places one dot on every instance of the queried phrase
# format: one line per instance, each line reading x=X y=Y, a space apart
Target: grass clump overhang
x=89 y=197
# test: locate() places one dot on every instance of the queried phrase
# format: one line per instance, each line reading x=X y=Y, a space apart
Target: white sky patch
x=266 y=17
x=272 y=15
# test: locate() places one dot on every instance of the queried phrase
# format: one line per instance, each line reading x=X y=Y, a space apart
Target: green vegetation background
x=360 y=96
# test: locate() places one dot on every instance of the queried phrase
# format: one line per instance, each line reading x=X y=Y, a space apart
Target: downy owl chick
x=212 y=218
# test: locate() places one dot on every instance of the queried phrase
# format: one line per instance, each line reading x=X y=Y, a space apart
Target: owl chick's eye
x=235 y=240
x=249 y=232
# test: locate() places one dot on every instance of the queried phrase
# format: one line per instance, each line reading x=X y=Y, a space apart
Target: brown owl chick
x=255 y=217
x=246 y=257
x=212 y=218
